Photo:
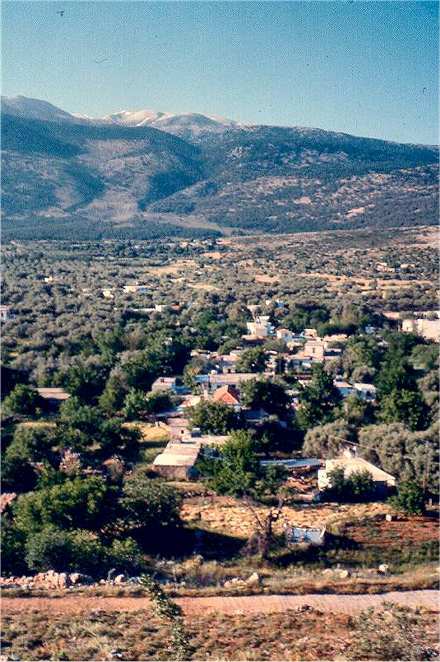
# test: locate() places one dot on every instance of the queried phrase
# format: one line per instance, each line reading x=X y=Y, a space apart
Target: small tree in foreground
x=167 y=610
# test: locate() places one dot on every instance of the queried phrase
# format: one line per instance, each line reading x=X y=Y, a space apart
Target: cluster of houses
x=222 y=384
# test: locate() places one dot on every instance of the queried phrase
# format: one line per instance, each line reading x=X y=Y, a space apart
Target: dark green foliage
x=213 y=417
x=318 y=400
x=149 y=504
x=77 y=550
x=29 y=445
x=252 y=360
x=267 y=395
x=358 y=486
x=138 y=404
x=79 y=503
x=410 y=498
x=23 y=400
x=236 y=469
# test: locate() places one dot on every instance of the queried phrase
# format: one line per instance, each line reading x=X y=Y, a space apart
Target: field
x=305 y=634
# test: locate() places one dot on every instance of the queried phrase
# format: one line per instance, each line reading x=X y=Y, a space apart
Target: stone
x=74 y=578
x=343 y=574
x=119 y=579
x=254 y=579
x=62 y=580
x=389 y=518
x=383 y=568
x=327 y=571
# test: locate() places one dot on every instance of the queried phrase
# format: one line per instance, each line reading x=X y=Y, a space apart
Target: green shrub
x=410 y=498
x=70 y=551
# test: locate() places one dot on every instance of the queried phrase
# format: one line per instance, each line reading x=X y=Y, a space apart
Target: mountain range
x=143 y=174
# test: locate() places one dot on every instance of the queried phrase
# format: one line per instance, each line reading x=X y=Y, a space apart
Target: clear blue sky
x=367 y=68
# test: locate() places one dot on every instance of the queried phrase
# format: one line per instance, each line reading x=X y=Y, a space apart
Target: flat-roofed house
x=53 y=397
x=177 y=460
x=428 y=329
x=351 y=463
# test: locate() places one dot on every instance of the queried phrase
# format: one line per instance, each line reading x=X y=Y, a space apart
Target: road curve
x=250 y=604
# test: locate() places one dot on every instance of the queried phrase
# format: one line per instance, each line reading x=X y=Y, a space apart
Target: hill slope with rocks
x=75 y=177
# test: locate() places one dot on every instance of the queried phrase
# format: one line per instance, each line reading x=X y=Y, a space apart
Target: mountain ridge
x=103 y=178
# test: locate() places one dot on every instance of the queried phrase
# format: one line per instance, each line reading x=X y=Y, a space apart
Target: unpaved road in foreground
x=251 y=604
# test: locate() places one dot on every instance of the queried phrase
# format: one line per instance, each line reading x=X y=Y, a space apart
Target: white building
x=428 y=329
x=351 y=464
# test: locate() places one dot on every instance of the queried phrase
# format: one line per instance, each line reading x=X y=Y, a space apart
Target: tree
x=86 y=379
x=76 y=550
x=23 y=400
x=29 y=447
x=78 y=503
x=149 y=505
x=318 y=400
x=213 y=417
x=358 y=486
x=357 y=411
x=138 y=405
x=405 y=406
x=252 y=360
x=407 y=455
x=267 y=395
x=327 y=440
x=410 y=498
x=237 y=471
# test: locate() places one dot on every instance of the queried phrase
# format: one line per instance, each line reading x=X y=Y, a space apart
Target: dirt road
x=252 y=604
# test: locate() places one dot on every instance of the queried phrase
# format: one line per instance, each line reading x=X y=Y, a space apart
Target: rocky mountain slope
x=72 y=175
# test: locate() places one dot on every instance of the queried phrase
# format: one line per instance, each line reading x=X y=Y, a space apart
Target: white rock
x=344 y=574
x=119 y=579
x=383 y=568
x=254 y=579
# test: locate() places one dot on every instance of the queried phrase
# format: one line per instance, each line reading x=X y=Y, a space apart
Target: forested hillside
x=64 y=179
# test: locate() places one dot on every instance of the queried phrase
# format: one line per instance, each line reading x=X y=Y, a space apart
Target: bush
x=410 y=498
x=149 y=504
x=126 y=555
x=359 y=486
x=71 y=551
x=213 y=417
x=79 y=503
x=22 y=400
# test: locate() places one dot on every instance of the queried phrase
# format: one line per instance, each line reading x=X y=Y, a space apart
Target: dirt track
x=248 y=604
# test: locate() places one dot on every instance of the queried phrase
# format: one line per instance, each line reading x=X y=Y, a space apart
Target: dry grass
x=150 y=433
x=305 y=635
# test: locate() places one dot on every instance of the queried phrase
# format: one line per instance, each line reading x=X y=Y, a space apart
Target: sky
x=366 y=68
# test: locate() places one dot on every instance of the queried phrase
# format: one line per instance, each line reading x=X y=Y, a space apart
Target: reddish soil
x=258 y=604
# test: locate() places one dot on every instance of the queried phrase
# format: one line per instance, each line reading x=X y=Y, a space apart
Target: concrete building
x=428 y=329
x=351 y=464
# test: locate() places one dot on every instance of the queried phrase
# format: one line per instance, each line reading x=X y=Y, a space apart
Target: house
x=351 y=463
x=168 y=384
x=4 y=313
x=428 y=329
x=53 y=397
x=135 y=289
x=260 y=327
x=214 y=381
x=294 y=463
x=344 y=387
x=227 y=395
x=285 y=335
x=365 y=391
x=177 y=460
